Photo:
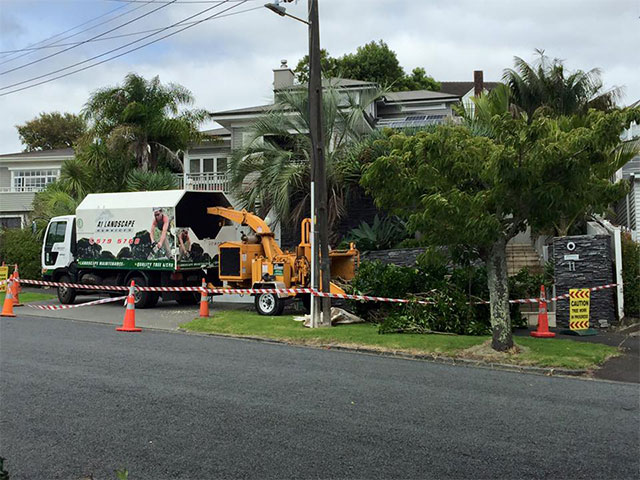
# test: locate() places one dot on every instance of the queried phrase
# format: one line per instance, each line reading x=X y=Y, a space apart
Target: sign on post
x=579 y=301
x=4 y=274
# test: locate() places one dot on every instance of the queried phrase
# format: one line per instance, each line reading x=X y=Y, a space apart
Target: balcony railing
x=203 y=182
x=21 y=189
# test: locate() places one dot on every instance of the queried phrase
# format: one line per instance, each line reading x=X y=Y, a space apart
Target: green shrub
x=631 y=275
x=21 y=247
x=451 y=289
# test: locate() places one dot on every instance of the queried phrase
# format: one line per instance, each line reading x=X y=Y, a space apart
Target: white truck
x=161 y=238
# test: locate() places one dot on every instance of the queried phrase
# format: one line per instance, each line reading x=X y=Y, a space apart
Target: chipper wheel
x=269 y=304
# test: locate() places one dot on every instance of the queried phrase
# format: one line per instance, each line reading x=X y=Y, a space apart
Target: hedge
x=23 y=248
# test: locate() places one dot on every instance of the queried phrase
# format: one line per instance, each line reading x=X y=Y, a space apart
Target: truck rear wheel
x=269 y=304
x=66 y=295
x=143 y=299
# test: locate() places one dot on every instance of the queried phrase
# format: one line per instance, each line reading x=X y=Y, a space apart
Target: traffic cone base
x=129 y=323
x=7 y=307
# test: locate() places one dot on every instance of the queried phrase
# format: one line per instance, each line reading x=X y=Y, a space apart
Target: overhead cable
x=164 y=5
x=214 y=16
x=82 y=31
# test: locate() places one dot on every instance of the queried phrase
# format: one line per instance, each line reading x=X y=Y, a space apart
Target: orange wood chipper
x=258 y=262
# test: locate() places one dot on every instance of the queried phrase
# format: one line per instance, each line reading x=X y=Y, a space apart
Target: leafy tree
x=51 y=130
x=273 y=170
x=146 y=118
x=373 y=62
x=458 y=188
x=546 y=84
x=581 y=203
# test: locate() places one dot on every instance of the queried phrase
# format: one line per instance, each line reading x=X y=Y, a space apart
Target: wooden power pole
x=320 y=224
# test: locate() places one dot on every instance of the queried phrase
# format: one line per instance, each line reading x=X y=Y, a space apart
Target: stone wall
x=588 y=264
x=405 y=257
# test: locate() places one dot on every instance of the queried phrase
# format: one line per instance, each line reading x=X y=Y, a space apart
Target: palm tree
x=547 y=84
x=273 y=171
x=145 y=117
x=51 y=202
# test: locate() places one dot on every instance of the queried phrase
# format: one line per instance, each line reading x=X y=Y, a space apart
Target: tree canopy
x=373 y=62
x=458 y=188
x=51 y=130
x=547 y=84
x=145 y=117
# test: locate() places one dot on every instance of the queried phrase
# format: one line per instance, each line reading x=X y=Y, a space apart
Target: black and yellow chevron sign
x=579 y=300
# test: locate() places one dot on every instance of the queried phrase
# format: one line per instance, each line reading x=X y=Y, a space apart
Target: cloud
x=227 y=63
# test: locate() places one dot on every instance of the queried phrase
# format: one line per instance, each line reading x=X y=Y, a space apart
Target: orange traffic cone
x=543 y=318
x=204 y=301
x=7 y=307
x=16 y=287
x=129 y=324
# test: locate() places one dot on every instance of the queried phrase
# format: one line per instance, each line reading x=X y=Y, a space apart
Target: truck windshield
x=56 y=233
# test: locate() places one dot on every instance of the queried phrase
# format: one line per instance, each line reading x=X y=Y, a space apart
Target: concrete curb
x=441 y=359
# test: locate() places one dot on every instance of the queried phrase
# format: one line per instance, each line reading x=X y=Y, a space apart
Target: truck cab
x=58 y=248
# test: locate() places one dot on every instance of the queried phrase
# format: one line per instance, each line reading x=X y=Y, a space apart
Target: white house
x=21 y=176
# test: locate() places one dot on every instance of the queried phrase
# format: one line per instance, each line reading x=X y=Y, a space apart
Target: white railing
x=21 y=189
x=204 y=182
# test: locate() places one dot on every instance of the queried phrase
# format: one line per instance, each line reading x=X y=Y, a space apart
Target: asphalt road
x=79 y=400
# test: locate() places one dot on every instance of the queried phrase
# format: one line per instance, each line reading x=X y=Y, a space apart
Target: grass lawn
x=539 y=352
x=26 y=297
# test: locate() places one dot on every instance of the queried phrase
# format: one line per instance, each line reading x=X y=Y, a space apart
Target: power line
x=82 y=31
x=140 y=32
x=179 y=1
x=241 y=2
x=85 y=41
x=70 y=29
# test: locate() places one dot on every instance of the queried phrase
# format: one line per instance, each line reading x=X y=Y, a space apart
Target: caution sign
x=4 y=274
x=579 y=300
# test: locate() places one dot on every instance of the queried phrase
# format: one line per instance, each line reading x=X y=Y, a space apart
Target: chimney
x=478 y=83
x=283 y=76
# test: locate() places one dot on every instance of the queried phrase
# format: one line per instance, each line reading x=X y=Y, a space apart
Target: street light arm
x=280 y=10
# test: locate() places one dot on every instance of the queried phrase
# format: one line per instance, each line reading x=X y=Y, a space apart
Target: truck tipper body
x=160 y=238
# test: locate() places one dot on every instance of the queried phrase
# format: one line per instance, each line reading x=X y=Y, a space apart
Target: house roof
x=56 y=152
x=417 y=95
x=216 y=132
x=239 y=111
x=460 y=89
x=336 y=82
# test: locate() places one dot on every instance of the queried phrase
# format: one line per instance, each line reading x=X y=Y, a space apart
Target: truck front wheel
x=66 y=295
x=269 y=304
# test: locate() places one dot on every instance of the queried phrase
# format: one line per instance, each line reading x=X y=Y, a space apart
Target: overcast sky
x=227 y=62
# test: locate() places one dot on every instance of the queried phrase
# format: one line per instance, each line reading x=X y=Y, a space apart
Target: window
x=207 y=165
x=221 y=166
x=33 y=179
x=10 y=222
x=56 y=233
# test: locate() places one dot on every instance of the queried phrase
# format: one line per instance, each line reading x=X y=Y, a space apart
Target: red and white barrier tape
x=64 y=307
x=289 y=291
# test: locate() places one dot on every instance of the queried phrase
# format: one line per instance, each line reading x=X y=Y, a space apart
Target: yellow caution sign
x=579 y=301
x=4 y=274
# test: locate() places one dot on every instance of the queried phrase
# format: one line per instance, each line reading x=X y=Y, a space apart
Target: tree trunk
x=499 y=296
